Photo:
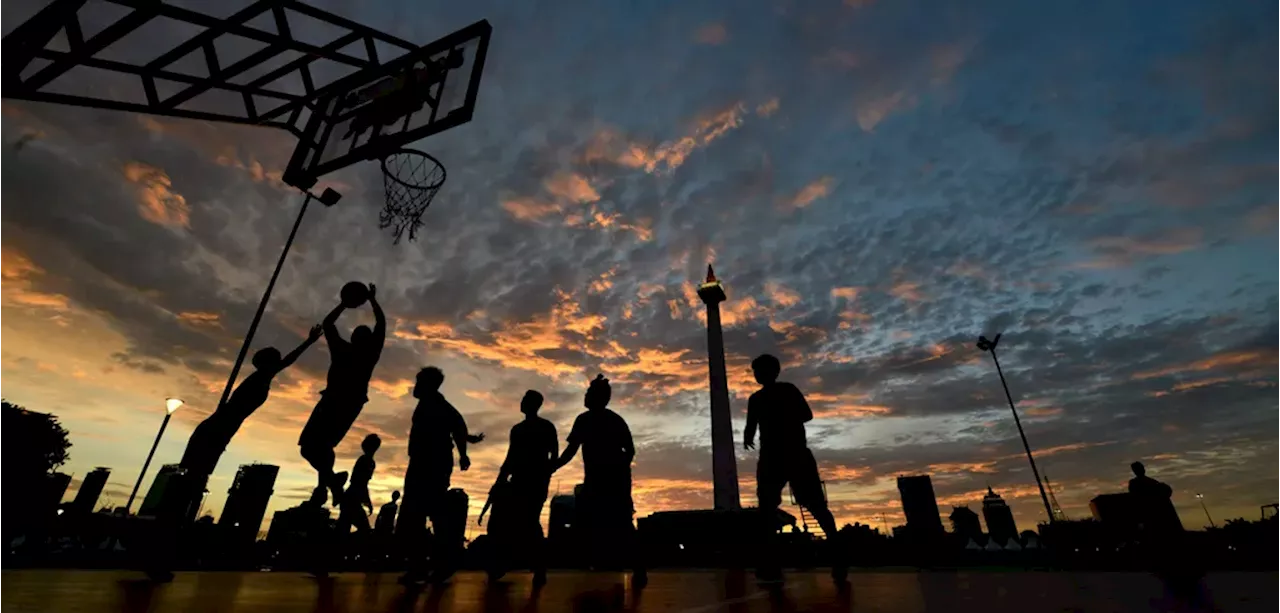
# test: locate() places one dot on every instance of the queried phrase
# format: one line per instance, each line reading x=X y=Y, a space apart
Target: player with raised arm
x=780 y=411
x=346 y=390
x=210 y=440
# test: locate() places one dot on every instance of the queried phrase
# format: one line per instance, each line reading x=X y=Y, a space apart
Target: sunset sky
x=877 y=182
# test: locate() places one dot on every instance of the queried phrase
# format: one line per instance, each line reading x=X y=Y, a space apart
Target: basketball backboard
x=336 y=84
x=376 y=111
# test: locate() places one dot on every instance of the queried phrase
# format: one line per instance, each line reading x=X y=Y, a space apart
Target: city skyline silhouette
x=872 y=206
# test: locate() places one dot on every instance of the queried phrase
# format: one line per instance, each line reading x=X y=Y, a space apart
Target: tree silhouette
x=34 y=443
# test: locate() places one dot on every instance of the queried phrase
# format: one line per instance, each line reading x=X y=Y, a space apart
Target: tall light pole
x=990 y=347
x=170 y=405
x=1200 y=497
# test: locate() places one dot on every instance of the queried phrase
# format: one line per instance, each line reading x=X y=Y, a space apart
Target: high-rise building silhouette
x=90 y=489
x=999 y=518
x=919 y=504
x=156 y=494
x=55 y=488
x=563 y=516
x=247 y=500
x=965 y=524
x=724 y=463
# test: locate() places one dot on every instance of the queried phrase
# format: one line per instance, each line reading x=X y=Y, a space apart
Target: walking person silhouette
x=780 y=411
x=208 y=442
x=437 y=428
x=520 y=491
x=346 y=389
x=356 y=499
x=605 y=507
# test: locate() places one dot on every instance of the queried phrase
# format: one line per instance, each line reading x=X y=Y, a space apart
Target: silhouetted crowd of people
x=778 y=411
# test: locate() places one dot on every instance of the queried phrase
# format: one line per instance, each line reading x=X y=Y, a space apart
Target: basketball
x=354 y=294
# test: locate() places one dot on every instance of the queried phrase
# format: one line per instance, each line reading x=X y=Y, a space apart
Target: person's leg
x=807 y=485
x=411 y=524
x=769 y=484
x=538 y=545
x=321 y=458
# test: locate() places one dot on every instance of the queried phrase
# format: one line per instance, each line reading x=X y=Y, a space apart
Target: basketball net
x=411 y=179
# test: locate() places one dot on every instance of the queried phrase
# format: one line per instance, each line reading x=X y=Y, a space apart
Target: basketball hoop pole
x=262 y=305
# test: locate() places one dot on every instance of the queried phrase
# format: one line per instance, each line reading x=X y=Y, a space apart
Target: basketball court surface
x=683 y=591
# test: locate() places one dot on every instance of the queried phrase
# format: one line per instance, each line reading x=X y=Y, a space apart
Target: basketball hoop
x=411 y=179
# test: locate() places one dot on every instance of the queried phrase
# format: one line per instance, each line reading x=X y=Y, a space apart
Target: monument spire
x=724 y=464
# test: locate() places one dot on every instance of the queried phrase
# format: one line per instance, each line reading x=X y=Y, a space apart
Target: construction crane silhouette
x=1058 y=513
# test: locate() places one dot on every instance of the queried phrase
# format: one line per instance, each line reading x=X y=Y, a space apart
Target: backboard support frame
x=263 y=102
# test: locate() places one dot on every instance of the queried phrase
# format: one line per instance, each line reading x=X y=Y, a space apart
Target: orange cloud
x=670 y=155
x=529 y=209
x=572 y=187
x=157 y=202
x=1233 y=360
x=18 y=272
x=1043 y=411
x=844 y=405
x=985 y=468
x=524 y=345
x=874 y=111
x=769 y=108
x=1121 y=251
x=254 y=169
x=850 y=316
x=906 y=291
x=197 y=318
x=603 y=220
x=603 y=282
x=820 y=188
x=394 y=390
x=975 y=496
x=711 y=34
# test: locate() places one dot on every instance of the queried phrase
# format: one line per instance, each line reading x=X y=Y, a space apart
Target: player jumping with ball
x=346 y=390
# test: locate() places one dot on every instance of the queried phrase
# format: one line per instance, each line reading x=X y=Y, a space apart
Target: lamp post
x=170 y=405
x=990 y=347
x=1200 y=497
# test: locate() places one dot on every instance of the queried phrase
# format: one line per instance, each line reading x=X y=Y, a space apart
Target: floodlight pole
x=990 y=346
x=262 y=305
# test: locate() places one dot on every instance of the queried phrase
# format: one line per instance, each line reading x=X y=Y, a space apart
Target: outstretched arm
x=293 y=356
x=504 y=471
x=330 y=327
x=460 y=438
x=566 y=457
x=380 y=318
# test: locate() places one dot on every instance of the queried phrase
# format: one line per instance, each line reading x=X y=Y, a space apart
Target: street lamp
x=1200 y=497
x=170 y=405
x=990 y=347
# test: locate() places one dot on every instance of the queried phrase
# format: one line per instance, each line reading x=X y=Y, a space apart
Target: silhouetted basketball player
x=212 y=436
x=210 y=439
x=346 y=391
x=780 y=411
x=521 y=490
x=437 y=428
x=356 y=499
x=605 y=508
x=386 y=522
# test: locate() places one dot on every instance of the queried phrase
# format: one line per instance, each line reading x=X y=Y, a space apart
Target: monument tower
x=724 y=464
